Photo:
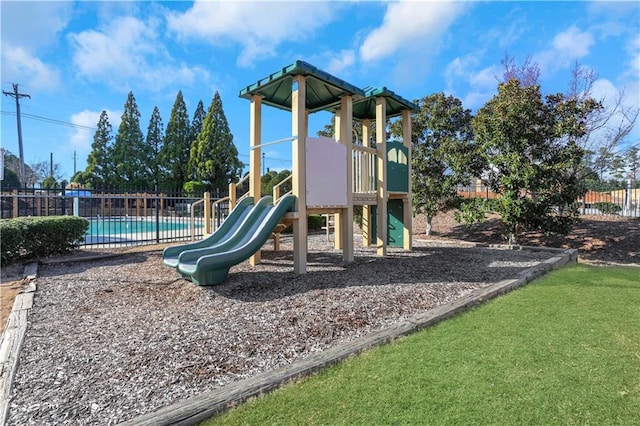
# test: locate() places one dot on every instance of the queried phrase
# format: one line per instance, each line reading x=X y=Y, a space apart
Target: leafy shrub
x=315 y=222
x=194 y=187
x=607 y=208
x=28 y=237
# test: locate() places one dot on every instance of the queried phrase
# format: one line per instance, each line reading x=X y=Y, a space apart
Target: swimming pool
x=116 y=226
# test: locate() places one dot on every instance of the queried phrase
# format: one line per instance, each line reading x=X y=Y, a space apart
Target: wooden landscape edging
x=201 y=407
x=13 y=338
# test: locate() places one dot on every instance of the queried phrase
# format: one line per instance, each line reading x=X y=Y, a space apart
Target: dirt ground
x=599 y=239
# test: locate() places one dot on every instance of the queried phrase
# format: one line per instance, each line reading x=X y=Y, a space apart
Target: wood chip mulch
x=111 y=339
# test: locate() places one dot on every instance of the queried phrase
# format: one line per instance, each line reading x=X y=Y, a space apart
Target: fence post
x=157 y=214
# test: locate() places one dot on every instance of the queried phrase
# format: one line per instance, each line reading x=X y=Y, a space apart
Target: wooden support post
x=383 y=196
x=299 y=171
x=346 y=126
x=232 y=196
x=15 y=203
x=408 y=204
x=255 y=137
x=207 y=213
x=366 y=177
x=337 y=223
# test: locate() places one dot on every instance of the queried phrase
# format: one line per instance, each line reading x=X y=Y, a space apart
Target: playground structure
x=329 y=175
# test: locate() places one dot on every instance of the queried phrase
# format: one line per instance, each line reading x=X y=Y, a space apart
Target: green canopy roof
x=323 y=90
x=366 y=108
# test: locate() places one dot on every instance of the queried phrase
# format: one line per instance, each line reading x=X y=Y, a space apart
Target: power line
x=51 y=120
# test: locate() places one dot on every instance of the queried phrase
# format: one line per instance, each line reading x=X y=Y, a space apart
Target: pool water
x=132 y=226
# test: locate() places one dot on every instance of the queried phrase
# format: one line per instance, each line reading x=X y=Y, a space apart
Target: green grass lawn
x=564 y=350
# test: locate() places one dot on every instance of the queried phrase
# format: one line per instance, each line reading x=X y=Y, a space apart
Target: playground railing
x=233 y=195
x=364 y=169
x=276 y=189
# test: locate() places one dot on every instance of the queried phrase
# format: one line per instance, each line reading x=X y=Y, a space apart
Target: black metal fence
x=117 y=218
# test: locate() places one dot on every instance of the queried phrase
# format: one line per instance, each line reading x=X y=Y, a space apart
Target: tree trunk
x=427 y=230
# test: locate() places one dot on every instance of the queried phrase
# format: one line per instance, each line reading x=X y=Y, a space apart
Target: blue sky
x=76 y=59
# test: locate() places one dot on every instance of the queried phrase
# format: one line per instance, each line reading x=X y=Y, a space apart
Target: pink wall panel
x=326 y=172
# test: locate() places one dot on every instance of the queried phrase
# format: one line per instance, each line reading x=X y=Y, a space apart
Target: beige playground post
x=346 y=214
x=407 y=205
x=299 y=184
x=337 y=221
x=366 y=209
x=383 y=195
x=255 y=136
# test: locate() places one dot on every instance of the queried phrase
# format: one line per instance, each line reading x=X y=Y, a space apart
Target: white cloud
x=129 y=50
x=259 y=27
x=33 y=25
x=633 y=48
x=566 y=48
x=461 y=74
x=18 y=65
x=341 y=61
x=408 y=26
x=27 y=33
x=573 y=43
x=83 y=138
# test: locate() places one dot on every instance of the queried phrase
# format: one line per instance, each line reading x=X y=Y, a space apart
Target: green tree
x=214 y=157
x=12 y=162
x=174 y=156
x=443 y=154
x=198 y=119
x=530 y=146
x=129 y=150
x=50 y=183
x=11 y=179
x=271 y=179
x=100 y=170
x=155 y=136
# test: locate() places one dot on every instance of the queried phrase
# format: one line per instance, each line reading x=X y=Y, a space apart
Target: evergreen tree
x=198 y=119
x=100 y=171
x=155 y=136
x=174 y=156
x=129 y=151
x=214 y=157
x=196 y=127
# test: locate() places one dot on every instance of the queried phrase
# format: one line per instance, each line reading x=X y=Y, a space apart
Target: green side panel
x=395 y=237
x=397 y=167
x=395 y=226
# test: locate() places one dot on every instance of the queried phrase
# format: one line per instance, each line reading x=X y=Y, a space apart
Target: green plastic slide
x=225 y=231
x=211 y=266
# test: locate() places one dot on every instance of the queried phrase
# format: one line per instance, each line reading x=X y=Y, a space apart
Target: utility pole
x=74 y=162
x=15 y=94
